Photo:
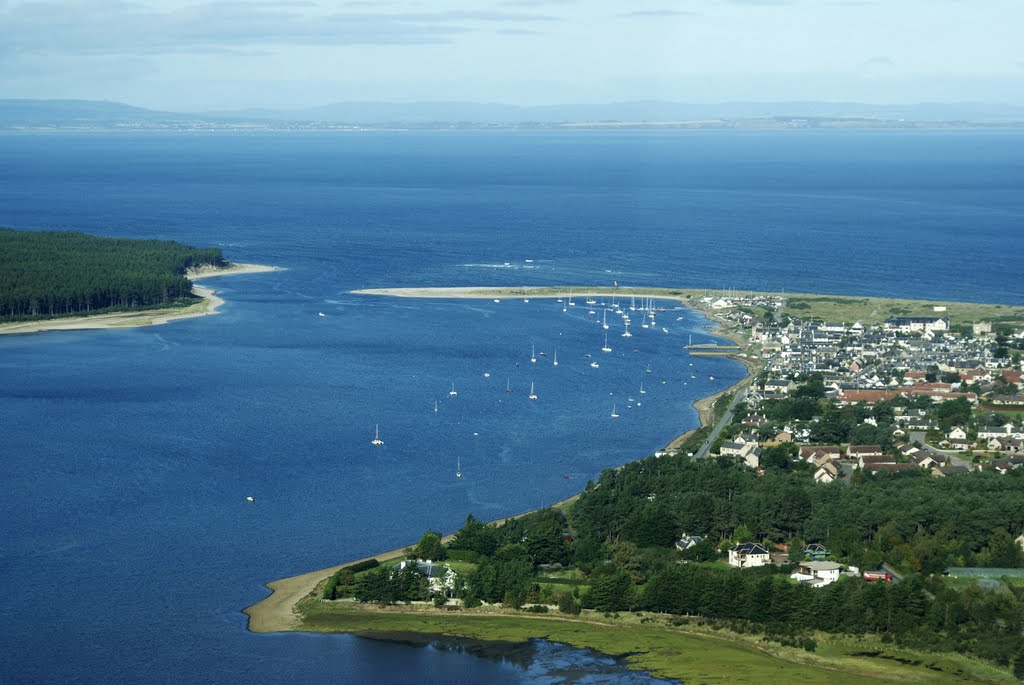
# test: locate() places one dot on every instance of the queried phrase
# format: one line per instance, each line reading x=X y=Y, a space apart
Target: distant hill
x=97 y=114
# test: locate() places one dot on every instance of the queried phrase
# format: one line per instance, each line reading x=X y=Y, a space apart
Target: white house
x=748 y=554
x=820 y=573
x=687 y=541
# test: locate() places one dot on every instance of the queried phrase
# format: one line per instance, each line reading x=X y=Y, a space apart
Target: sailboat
x=533 y=395
x=435 y=406
x=615 y=414
x=376 y=436
x=590 y=299
x=606 y=348
x=642 y=391
x=458 y=466
x=555 y=362
x=604 y=320
x=508 y=385
x=453 y=393
x=533 y=354
x=571 y=303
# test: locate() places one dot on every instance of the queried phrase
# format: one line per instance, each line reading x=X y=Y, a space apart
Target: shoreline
x=277 y=612
x=209 y=305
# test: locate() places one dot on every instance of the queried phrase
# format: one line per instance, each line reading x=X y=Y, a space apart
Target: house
x=811 y=452
x=780 y=386
x=440 y=577
x=946 y=471
x=748 y=554
x=815 y=551
x=820 y=573
x=889 y=468
x=916 y=324
x=687 y=541
x=829 y=472
x=924 y=459
x=1020 y=541
x=957 y=433
x=859 y=451
x=907 y=450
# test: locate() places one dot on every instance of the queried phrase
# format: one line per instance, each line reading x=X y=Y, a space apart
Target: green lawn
x=694 y=655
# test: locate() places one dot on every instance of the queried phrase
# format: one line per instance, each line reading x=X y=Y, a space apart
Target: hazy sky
x=192 y=55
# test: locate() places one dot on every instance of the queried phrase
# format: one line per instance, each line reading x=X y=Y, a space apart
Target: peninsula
x=849 y=514
x=57 y=280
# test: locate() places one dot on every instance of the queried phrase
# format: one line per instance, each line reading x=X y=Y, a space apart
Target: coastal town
x=914 y=392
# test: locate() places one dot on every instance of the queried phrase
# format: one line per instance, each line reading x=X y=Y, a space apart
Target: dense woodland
x=47 y=274
x=615 y=552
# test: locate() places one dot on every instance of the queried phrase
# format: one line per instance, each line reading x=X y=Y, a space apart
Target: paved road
x=722 y=423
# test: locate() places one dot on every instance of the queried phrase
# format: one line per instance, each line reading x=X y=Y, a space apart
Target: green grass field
x=691 y=654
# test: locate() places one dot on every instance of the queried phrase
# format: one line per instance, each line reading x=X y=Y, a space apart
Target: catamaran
x=376 y=436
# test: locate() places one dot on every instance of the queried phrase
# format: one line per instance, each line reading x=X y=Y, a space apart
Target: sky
x=201 y=55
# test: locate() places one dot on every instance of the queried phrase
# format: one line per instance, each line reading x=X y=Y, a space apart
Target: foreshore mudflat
x=150 y=317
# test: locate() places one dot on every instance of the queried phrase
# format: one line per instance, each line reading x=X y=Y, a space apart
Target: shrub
x=363 y=565
x=537 y=609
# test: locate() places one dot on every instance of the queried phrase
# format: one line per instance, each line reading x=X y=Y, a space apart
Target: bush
x=363 y=565
x=537 y=609
x=809 y=644
x=466 y=555
x=567 y=604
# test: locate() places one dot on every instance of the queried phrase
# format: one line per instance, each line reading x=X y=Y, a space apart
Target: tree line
x=47 y=274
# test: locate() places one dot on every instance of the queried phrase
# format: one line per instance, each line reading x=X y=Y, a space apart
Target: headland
x=209 y=305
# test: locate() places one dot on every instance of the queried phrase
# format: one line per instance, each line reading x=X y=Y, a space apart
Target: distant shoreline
x=276 y=612
x=210 y=304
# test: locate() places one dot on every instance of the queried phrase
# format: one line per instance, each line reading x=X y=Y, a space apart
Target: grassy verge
x=694 y=654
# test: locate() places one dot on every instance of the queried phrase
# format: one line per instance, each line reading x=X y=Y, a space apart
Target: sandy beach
x=153 y=317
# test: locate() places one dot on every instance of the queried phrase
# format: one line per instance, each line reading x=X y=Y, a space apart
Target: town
x=904 y=393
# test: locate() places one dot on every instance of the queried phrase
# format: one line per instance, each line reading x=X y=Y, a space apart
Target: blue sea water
x=127 y=548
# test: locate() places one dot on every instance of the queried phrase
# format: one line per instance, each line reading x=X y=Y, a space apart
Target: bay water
x=127 y=545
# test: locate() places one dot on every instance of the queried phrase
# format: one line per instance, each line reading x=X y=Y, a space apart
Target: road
x=726 y=419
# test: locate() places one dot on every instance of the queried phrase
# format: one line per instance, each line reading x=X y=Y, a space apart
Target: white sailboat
x=376 y=436
x=453 y=393
x=533 y=395
x=435 y=406
x=606 y=348
x=555 y=361
x=533 y=354
x=508 y=385
x=615 y=414
x=571 y=303
x=458 y=466
x=604 y=320
x=642 y=391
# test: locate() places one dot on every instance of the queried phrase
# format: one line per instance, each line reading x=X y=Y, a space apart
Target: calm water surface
x=128 y=547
